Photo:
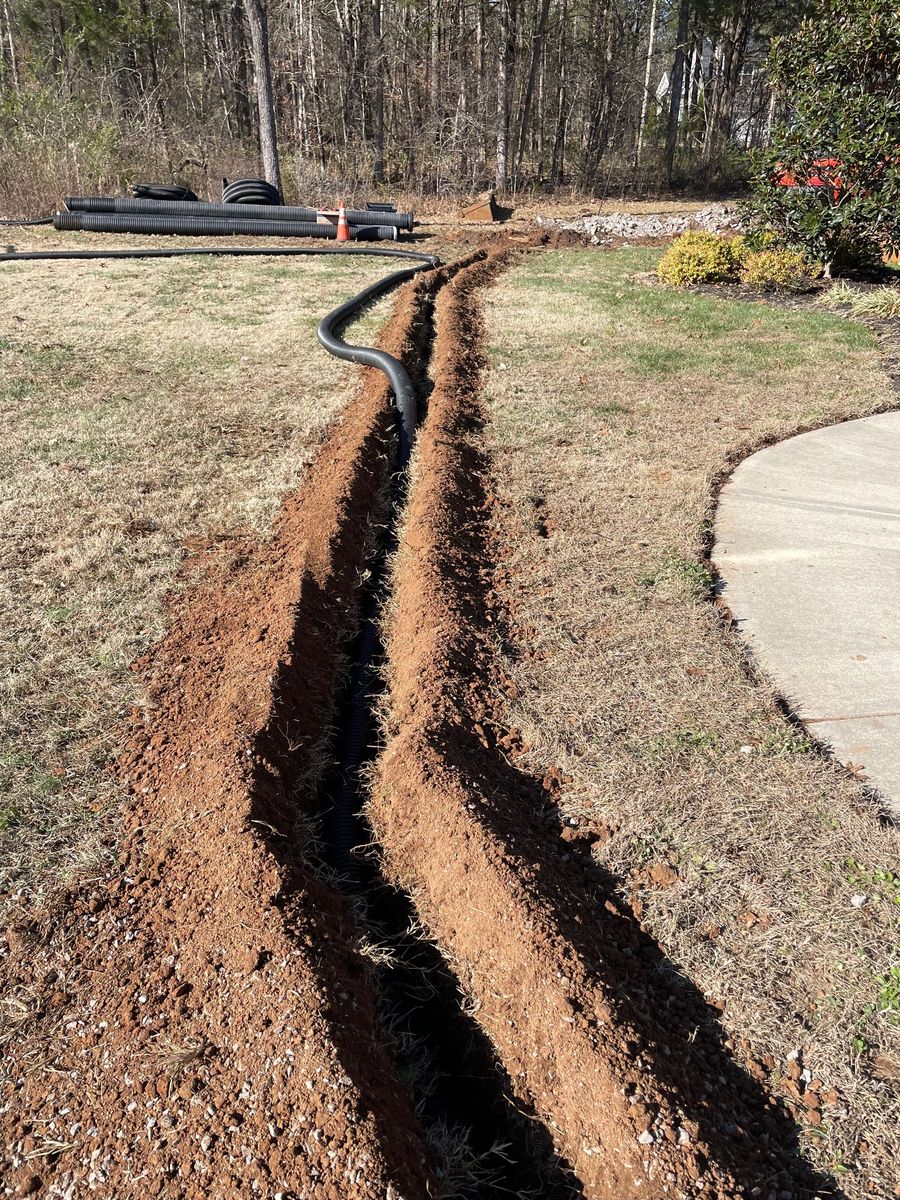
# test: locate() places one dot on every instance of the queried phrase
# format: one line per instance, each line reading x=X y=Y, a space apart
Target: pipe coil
x=162 y=191
x=250 y=191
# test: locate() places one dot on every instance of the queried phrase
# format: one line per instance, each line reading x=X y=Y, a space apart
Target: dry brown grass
x=146 y=406
x=614 y=409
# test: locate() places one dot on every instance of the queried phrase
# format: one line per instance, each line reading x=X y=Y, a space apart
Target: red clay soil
x=201 y=1023
x=600 y=1038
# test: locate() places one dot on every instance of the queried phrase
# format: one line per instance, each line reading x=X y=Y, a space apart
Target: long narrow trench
x=483 y=1145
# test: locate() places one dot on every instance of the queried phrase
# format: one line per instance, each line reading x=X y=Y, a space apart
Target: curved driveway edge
x=807 y=546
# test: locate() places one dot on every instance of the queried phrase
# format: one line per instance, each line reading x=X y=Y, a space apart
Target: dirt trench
x=203 y=1022
x=599 y=1038
x=210 y=1022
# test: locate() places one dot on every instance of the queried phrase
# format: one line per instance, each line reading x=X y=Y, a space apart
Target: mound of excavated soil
x=599 y=1036
x=202 y=1024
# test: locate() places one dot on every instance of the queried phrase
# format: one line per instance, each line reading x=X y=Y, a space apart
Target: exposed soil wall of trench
x=202 y=1023
x=598 y=1035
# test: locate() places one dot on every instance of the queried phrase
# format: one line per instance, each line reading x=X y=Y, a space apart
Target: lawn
x=616 y=407
x=153 y=413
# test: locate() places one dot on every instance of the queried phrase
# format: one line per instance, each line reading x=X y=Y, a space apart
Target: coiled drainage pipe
x=256 y=191
x=163 y=191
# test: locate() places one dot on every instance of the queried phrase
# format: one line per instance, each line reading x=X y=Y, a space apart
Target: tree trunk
x=265 y=100
x=676 y=88
x=537 y=46
x=218 y=58
x=733 y=75
x=598 y=131
x=503 y=98
x=434 y=56
x=648 y=71
x=13 y=65
x=378 y=115
x=316 y=90
x=242 y=108
x=480 y=89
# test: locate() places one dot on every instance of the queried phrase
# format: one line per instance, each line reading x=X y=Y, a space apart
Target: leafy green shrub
x=697 y=257
x=778 y=269
x=830 y=181
x=739 y=250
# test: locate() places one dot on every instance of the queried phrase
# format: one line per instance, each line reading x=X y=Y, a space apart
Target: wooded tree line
x=425 y=95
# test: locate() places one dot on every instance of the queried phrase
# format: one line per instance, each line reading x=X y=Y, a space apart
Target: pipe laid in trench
x=460 y=1063
x=345 y=793
x=368 y=356
x=201 y=208
x=213 y=226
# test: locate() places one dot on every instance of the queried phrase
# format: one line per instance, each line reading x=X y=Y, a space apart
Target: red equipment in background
x=823 y=174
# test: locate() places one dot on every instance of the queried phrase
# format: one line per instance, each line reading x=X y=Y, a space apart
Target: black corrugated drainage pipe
x=30 y=221
x=163 y=191
x=200 y=208
x=329 y=337
x=254 y=191
x=212 y=226
x=328 y=329
x=368 y=356
x=197 y=208
x=342 y=822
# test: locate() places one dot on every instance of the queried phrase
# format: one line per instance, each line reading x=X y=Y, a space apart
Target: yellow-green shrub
x=746 y=244
x=697 y=257
x=778 y=270
x=739 y=249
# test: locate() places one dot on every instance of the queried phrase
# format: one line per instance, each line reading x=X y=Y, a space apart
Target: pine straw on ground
x=615 y=409
x=147 y=408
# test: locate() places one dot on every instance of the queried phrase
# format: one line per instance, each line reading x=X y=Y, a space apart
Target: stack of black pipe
x=124 y=215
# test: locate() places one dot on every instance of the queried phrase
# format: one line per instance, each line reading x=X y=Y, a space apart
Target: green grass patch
x=646 y=331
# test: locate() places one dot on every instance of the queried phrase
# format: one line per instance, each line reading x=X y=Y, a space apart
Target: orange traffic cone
x=343 y=228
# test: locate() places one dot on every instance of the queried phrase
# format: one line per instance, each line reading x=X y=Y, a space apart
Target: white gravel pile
x=715 y=218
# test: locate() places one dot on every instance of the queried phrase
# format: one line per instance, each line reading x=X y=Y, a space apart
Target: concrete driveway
x=807 y=542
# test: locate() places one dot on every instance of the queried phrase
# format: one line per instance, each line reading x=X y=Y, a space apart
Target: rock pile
x=715 y=218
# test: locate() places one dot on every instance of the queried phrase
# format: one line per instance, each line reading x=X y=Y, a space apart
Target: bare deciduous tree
x=265 y=97
x=421 y=94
